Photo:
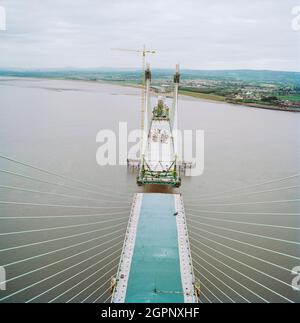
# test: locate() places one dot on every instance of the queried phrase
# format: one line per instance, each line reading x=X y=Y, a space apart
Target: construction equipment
x=158 y=164
x=144 y=52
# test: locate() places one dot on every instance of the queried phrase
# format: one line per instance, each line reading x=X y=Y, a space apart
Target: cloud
x=197 y=33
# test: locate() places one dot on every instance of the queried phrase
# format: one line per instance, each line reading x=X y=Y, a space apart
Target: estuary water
x=61 y=236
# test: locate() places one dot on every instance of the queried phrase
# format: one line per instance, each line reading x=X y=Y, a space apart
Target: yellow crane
x=144 y=52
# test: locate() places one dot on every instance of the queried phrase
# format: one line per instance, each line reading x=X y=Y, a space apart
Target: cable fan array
x=60 y=263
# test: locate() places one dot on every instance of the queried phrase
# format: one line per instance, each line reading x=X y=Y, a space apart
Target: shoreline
x=221 y=99
x=266 y=107
x=204 y=97
x=194 y=95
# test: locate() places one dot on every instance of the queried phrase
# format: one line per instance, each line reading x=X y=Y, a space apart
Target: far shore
x=217 y=98
x=209 y=97
x=198 y=95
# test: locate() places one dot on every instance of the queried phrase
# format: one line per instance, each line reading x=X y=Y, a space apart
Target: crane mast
x=144 y=52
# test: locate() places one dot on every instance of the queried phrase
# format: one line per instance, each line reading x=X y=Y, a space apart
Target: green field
x=292 y=98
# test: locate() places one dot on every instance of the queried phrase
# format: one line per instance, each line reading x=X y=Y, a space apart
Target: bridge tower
x=158 y=164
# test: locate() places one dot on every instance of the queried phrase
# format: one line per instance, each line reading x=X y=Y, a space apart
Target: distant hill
x=132 y=75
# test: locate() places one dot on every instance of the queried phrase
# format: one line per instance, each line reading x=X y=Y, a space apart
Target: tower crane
x=144 y=52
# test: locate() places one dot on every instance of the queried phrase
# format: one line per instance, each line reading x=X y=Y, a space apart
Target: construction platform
x=156 y=264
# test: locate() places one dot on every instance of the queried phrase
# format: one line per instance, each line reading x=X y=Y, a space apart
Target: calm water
x=242 y=250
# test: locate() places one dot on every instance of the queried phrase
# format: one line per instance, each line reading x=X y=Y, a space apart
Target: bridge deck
x=156 y=264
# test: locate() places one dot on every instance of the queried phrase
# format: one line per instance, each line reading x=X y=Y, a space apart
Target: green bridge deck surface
x=155 y=268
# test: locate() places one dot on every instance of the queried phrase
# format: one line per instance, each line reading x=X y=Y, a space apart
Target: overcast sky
x=200 y=34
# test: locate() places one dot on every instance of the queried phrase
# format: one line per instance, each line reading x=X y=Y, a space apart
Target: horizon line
x=139 y=68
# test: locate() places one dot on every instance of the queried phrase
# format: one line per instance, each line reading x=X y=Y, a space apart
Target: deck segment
x=156 y=266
